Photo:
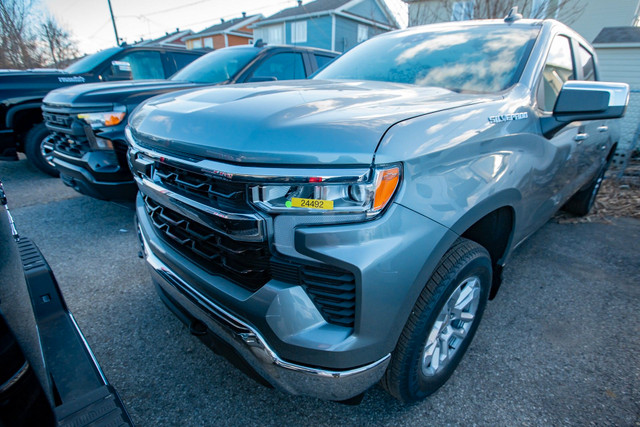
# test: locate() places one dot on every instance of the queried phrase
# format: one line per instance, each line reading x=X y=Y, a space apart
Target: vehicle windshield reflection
x=483 y=58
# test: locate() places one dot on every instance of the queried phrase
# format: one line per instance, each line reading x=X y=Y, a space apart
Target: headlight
x=105 y=118
x=367 y=197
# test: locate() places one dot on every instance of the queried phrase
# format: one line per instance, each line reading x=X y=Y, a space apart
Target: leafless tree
x=430 y=11
x=27 y=40
x=18 y=41
x=58 y=42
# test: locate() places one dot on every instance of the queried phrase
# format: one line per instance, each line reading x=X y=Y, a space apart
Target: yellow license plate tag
x=311 y=203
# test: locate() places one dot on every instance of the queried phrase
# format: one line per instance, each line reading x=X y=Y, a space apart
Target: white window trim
x=299 y=32
x=363 y=33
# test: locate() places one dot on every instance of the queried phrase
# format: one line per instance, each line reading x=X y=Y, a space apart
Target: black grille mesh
x=245 y=263
x=331 y=289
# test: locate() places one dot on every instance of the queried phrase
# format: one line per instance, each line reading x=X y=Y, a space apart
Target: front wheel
x=442 y=323
x=39 y=150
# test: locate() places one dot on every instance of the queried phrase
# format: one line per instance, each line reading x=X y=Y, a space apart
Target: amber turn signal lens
x=386 y=183
x=114 y=119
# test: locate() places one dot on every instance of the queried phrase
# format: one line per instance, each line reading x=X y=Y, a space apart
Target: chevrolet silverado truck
x=22 y=91
x=87 y=122
x=48 y=373
x=349 y=229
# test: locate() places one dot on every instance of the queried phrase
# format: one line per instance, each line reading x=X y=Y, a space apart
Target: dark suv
x=21 y=92
x=88 y=142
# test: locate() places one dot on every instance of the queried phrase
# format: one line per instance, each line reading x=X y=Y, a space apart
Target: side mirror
x=586 y=100
x=120 y=70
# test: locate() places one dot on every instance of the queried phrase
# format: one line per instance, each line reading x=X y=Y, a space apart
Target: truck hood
x=121 y=92
x=313 y=122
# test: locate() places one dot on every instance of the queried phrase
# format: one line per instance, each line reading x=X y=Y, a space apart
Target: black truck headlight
x=105 y=118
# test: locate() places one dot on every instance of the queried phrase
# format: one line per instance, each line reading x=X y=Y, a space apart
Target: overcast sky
x=90 y=23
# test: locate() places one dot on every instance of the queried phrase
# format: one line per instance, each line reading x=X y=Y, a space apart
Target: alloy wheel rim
x=451 y=327
x=46 y=149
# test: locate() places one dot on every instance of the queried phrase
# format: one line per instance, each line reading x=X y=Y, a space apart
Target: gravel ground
x=560 y=344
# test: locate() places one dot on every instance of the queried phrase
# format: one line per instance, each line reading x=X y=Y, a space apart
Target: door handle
x=580 y=137
x=603 y=128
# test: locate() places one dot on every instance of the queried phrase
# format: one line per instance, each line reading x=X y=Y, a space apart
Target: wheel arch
x=21 y=117
x=491 y=224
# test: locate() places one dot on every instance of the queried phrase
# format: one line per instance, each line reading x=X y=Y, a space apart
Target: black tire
x=33 y=149
x=581 y=203
x=405 y=378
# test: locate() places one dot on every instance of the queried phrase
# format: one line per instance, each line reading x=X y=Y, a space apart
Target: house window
x=539 y=9
x=462 y=11
x=299 y=32
x=363 y=33
x=208 y=42
x=271 y=34
x=196 y=44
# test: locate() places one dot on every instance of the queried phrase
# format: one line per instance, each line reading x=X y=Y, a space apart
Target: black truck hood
x=123 y=92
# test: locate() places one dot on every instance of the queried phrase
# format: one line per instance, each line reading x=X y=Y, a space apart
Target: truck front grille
x=332 y=290
x=219 y=193
x=244 y=263
x=72 y=146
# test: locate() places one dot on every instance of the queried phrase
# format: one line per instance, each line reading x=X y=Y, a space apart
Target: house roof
x=225 y=26
x=172 y=39
x=617 y=35
x=326 y=7
x=316 y=6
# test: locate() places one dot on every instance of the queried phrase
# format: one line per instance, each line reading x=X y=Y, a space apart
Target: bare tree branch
x=430 y=11
x=27 y=43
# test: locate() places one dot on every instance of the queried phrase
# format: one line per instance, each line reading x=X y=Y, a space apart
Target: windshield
x=217 y=66
x=483 y=58
x=88 y=63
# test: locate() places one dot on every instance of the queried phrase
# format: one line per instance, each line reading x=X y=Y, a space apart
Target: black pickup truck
x=87 y=122
x=21 y=92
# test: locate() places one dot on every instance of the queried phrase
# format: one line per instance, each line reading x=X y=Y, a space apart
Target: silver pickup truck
x=332 y=233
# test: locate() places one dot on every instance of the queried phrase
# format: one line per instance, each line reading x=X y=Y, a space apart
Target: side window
x=183 y=59
x=323 y=61
x=282 y=66
x=586 y=63
x=557 y=70
x=145 y=64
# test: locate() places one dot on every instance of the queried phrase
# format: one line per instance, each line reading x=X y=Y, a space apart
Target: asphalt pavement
x=560 y=344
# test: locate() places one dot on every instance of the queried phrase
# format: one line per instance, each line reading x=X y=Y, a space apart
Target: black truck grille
x=331 y=289
x=245 y=263
x=72 y=146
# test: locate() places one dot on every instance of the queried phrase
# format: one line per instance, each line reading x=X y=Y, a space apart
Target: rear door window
x=586 y=63
x=281 y=66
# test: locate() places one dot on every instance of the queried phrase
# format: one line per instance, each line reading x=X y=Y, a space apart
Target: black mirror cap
x=586 y=100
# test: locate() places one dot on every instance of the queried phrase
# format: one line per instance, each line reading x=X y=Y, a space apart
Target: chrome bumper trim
x=250 y=344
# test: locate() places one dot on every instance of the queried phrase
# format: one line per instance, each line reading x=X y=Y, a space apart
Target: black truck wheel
x=442 y=323
x=38 y=152
x=581 y=203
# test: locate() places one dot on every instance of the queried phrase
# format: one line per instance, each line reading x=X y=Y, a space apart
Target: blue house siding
x=369 y=9
x=347 y=33
x=318 y=32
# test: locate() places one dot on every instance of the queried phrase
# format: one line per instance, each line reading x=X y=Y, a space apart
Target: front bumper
x=96 y=174
x=251 y=346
